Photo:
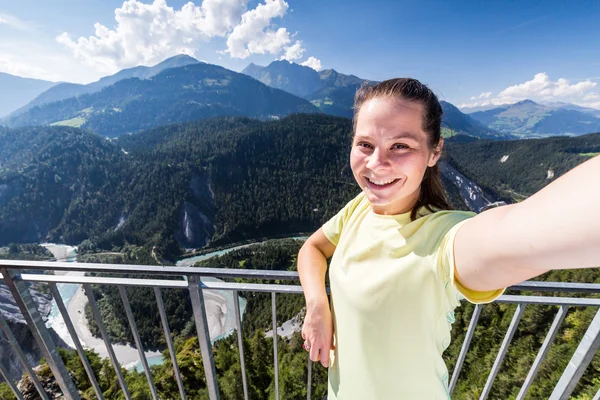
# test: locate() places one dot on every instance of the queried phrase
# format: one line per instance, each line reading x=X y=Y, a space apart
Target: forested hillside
x=69 y=185
x=517 y=169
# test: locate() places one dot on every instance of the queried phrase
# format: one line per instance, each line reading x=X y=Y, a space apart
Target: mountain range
x=185 y=93
x=65 y=90
x=333 y=92
x=528 y=119
x=17 y=92
x=182 y=88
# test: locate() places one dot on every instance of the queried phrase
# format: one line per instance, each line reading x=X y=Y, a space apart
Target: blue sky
x=470 y=52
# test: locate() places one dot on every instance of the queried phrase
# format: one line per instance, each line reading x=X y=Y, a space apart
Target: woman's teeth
x=381 y=183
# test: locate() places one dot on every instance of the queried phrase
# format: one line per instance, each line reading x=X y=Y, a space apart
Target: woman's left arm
x=556 y=228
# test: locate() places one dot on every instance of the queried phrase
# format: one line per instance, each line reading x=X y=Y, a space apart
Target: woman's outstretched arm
x=556 y=228
x=317 y=330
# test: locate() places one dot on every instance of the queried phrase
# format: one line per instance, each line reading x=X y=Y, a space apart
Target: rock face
x=12 y=315
x=473 y=196
x=48 y=382
x=196 y=215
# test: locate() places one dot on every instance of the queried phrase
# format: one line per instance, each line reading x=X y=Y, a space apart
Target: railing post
x=309 y=383
x=138 y=341
x=558 y=320
x=275 y=349
x=583 y=355
x=89 y=292
x=169 y=340
x=10 y=383
x=208 y=361
x=40 y=333
x=22 y=359
x=69 y=324
x=238 y=325
x=465 y=347
x=500 y=357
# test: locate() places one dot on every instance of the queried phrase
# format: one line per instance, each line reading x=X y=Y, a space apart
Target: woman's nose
x=376 y=159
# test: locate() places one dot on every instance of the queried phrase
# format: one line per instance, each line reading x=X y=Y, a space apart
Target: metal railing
x=16 y=279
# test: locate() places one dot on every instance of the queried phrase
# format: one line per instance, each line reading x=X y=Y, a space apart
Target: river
x=219 y=303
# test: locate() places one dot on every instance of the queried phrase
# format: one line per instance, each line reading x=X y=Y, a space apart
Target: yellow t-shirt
x=393 y=295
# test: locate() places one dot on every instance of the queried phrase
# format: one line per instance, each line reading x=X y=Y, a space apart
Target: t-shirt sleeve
x=446 y=269
x=333 y=228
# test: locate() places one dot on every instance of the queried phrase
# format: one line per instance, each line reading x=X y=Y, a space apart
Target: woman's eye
x=400 y=146
x=364 y=144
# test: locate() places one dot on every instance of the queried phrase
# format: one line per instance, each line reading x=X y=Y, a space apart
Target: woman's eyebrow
x=405 y=135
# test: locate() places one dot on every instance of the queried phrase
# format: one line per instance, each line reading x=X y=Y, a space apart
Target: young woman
x=401 y=260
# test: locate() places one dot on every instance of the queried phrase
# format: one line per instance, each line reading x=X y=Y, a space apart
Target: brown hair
x=432 y=194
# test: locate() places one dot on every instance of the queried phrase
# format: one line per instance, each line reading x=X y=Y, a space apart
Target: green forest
x=239 y=179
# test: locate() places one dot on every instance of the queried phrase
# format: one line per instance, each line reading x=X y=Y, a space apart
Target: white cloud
x=540 y=88
x=313 y=62
x=254 y=35
x=293 y=52
x=149 y=33
x=145 y=34
x=12 y=22
x=483 y=95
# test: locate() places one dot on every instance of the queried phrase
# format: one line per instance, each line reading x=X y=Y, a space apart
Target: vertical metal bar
x=238 y=327
x=199 y=310
x=138 y=341
x=22 y=359
x=169 y=340
x=500 y=357
x=275 y=349
x=309 y=388
x=584 y=353
x=111 y=353
x=40 y=333
x=10 y=383
x=465 y=347
x=69 y=324
x=558 y=320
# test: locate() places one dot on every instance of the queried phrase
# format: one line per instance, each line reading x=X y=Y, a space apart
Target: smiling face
x=390 y=153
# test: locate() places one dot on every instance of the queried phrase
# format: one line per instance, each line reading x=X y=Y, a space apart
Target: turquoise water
x=156 y=360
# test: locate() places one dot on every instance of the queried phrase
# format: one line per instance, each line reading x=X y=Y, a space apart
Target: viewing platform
x=18 y=275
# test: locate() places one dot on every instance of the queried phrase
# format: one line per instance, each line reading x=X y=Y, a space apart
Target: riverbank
x=126 y=355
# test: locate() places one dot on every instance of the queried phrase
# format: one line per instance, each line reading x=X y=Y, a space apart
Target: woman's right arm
x=312 y=268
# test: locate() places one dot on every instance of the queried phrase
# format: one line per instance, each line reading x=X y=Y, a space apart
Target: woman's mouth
x=380 y=183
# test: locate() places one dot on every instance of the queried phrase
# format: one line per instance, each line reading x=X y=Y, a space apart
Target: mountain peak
x=526 y=102
x=179 y=58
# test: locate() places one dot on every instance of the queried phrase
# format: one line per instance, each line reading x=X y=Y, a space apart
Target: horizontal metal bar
x=101 y=280
x=162 y=283
x=150 y=269
x=548 y=300
x=266 y=287
x=244 y=273
x=570 y=287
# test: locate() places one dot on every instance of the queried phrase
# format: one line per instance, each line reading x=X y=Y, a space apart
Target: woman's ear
x=437 y=153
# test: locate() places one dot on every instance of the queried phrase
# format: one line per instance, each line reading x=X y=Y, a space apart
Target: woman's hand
x=317 y=332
